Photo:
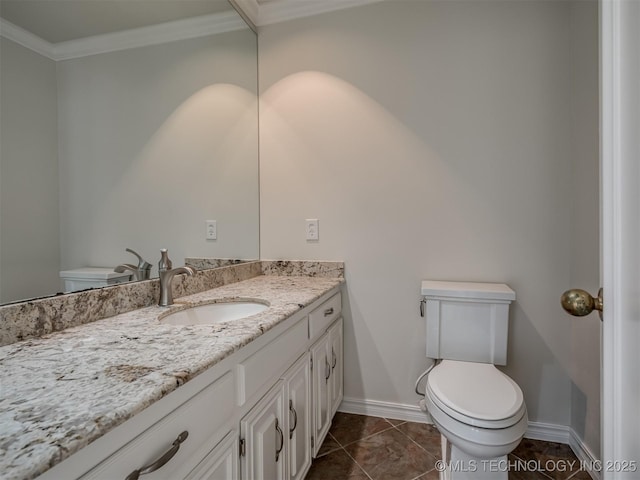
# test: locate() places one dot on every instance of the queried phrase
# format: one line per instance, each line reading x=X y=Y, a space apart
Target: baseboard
x=547 y=432
x=374 y=408
x=585 y=455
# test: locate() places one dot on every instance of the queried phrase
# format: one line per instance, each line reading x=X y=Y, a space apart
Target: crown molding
x=283 y=10
x=27 y=39
x=249 y=8
x=275 y=11
x=259 y=14
x=136 y=37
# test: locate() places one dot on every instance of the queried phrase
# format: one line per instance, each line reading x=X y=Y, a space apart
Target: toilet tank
x=91 y=277
x=467 y=321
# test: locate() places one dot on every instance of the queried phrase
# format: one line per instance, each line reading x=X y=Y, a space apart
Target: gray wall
x=585 y=251
x=433 y=140
x=153 y=142
x=29 y=236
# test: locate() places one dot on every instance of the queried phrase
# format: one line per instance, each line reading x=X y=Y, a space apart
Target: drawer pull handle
x=281 y=435
x=295 y=419
x=327 y=370
x=333 y=358
x=328 y=311
x=168 y=455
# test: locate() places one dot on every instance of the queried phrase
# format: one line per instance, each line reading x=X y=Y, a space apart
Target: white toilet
x=479 y=411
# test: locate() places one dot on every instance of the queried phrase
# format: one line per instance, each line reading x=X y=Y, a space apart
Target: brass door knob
x=579 y=303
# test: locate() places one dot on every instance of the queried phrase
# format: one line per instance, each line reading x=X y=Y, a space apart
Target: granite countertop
x=64 y=390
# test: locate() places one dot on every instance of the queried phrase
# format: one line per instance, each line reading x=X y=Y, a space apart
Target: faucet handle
x=165 y=263
x=142 y=263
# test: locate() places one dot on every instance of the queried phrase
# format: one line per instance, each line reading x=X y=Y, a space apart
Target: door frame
x=620 y=234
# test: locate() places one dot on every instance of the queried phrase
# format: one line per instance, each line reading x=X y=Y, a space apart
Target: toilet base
x=462 y=466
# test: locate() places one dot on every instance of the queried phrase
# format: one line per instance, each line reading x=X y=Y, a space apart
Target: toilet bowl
x=479 y=411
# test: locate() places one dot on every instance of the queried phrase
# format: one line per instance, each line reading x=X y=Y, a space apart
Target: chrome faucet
x=166 y=277
x=141 y=272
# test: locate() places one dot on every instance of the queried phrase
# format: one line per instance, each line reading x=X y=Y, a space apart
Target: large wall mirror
x=124 y=124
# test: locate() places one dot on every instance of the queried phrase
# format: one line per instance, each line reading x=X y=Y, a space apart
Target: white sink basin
x=214 y=313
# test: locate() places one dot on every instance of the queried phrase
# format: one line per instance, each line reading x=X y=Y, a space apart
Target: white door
x=620 y=237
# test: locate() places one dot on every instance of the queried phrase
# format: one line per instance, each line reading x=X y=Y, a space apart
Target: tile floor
x=369 y=448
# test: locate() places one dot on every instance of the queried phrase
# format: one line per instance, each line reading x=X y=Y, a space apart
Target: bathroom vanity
x=251 y=398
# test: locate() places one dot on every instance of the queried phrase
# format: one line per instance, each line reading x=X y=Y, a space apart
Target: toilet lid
x=476 y=393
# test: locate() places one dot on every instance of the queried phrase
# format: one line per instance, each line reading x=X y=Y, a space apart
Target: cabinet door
x=263 y=431
x=320 y=391
x=337 y=366
x=298 y=379
x=221 y=463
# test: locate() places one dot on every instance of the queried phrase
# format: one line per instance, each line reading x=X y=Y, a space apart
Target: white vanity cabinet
x=327 y=362
x=284 y=431
x=261 y=413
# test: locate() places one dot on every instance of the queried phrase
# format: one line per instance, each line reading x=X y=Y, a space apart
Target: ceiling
x=62 y=20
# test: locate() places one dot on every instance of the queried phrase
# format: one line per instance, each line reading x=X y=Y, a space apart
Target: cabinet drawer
x=326 y=313
x=202 y=417
x=271 y=360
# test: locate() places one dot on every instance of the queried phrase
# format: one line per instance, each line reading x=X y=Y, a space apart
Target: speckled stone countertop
x=63 y=390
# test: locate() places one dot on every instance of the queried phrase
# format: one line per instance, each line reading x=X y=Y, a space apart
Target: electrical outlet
x=313 y=233
x=212 y=230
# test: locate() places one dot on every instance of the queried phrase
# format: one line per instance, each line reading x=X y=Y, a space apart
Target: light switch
x=312 y=229
x=212 y=230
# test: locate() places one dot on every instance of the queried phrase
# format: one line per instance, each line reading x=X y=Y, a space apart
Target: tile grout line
x=333 y=450
x=429 y=454
x=423 y=474
x=577 y=472
x=395 y=427
x=359 y=466
x=364 y=438
x=525 y=461
x=425 y=450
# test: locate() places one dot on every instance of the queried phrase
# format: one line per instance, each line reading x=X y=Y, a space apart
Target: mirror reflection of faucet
x=141 y=272
x=167 y=273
